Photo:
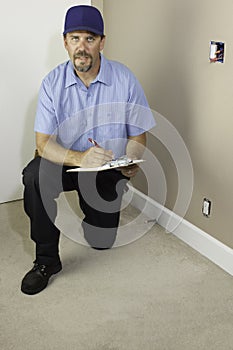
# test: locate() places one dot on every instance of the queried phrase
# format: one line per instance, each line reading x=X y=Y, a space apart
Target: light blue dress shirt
x=112 y=108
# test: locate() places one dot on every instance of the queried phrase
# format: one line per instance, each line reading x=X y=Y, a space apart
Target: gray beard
x=83 y=69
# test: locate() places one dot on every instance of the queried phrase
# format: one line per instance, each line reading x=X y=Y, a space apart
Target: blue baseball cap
x=84 y=17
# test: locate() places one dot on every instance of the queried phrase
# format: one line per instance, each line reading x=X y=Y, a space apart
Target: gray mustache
x=82 y=54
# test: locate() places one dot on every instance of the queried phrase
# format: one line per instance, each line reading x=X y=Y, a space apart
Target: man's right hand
x=49 y=148
x=95 y=157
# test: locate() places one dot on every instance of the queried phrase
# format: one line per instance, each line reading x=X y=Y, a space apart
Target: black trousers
x=100 y=195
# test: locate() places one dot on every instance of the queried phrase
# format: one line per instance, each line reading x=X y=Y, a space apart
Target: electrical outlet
x=206 y=207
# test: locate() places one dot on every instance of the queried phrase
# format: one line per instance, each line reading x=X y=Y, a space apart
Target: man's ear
x=102 y=43
x=65 y=41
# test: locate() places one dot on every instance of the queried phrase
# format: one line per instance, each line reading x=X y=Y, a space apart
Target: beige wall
x=21 y=78
x=166 y=44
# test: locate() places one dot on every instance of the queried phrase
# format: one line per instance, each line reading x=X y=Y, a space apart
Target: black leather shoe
x=38 y=277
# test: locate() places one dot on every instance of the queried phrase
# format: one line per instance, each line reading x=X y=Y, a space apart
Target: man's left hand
x=130 y=171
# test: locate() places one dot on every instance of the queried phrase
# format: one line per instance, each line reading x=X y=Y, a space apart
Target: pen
x=93 y=142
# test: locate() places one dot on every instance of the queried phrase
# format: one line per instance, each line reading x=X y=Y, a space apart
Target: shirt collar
x=104 y=75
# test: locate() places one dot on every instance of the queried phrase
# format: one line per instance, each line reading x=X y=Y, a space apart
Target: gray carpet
x=153 y=294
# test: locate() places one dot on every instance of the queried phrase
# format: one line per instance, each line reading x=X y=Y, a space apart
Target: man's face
x=83 y=49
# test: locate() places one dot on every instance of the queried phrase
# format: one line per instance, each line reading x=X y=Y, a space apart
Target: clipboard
x=113 y=164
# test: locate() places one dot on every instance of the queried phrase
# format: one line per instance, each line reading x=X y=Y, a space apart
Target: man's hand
x=95 y=157
x=130 y=171
x=134 y=150
x=49 y=148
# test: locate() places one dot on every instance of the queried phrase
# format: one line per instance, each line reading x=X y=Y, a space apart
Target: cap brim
x=88 y=29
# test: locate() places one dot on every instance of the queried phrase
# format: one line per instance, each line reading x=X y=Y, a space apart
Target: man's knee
x=99 y=237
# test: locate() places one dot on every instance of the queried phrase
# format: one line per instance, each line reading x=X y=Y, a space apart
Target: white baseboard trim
x=211 y=248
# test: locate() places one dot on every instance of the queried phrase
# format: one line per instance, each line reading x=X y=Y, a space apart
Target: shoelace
x=41 y=268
